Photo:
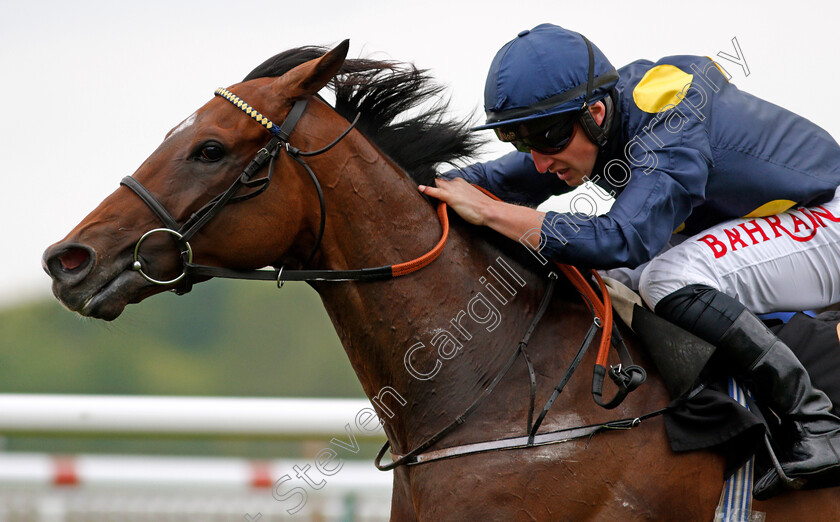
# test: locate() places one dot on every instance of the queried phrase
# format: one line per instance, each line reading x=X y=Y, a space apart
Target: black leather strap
x=626 y=376
x=552 y=437
x=291 y=120
x=151 y=202
x=584 y=346
x=403 y=459
x=280 y=275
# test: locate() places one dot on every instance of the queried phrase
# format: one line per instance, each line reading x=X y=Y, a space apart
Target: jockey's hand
x=469 y=202
x=512 y=221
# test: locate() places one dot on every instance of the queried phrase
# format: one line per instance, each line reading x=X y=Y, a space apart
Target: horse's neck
x=459 y=319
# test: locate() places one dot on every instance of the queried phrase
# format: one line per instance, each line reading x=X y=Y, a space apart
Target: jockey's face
x=577 y=160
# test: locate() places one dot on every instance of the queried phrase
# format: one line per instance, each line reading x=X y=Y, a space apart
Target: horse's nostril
x=74 y=259
x=68 y=263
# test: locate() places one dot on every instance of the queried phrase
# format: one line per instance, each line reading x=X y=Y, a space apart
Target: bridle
x=278 y=143
x=626 y=375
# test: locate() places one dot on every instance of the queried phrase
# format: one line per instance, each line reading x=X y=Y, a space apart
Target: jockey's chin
x=572 y=177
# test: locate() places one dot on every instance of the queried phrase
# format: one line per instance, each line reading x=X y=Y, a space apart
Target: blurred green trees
x=223 y=339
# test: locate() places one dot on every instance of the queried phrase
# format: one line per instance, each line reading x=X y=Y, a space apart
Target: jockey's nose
x=541 y=161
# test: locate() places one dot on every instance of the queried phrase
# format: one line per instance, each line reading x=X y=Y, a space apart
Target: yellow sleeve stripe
x=771 y=208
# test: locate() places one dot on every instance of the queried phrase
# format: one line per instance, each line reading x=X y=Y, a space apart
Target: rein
x=626 y=375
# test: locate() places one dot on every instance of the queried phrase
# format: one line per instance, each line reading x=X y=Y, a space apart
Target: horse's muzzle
x=68 y=263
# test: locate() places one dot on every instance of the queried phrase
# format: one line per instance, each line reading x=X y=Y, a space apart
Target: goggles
x=548 y=135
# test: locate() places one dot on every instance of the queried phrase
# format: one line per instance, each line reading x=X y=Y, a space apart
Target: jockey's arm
x=512 y=178
x=653 y=204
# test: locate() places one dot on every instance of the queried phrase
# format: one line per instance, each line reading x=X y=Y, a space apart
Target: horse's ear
x=308 y=78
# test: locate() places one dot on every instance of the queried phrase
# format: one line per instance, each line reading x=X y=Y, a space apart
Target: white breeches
x=787 y=262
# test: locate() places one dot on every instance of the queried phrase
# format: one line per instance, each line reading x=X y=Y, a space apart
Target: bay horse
x=420 y=358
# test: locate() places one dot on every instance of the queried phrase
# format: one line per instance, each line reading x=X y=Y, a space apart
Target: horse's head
x=100 y=266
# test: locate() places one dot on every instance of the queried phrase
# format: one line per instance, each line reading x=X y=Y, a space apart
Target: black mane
x=381 y=91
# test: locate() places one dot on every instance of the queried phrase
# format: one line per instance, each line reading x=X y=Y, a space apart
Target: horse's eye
x=210 y=152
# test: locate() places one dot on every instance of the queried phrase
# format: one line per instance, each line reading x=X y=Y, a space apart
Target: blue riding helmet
x=543 y=72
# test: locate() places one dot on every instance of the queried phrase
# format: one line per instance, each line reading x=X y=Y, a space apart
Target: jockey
x=685 y=151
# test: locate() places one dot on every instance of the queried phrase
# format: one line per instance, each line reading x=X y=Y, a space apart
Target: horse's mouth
x=111 y=299
x=103 y=295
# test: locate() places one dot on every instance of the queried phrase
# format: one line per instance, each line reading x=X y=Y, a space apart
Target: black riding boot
x=813 y=461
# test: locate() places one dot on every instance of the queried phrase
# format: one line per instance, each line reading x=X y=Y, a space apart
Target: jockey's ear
x=308 y=78
x=599 y=111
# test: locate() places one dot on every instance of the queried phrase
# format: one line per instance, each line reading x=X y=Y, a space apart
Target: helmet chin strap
x=597 y=134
